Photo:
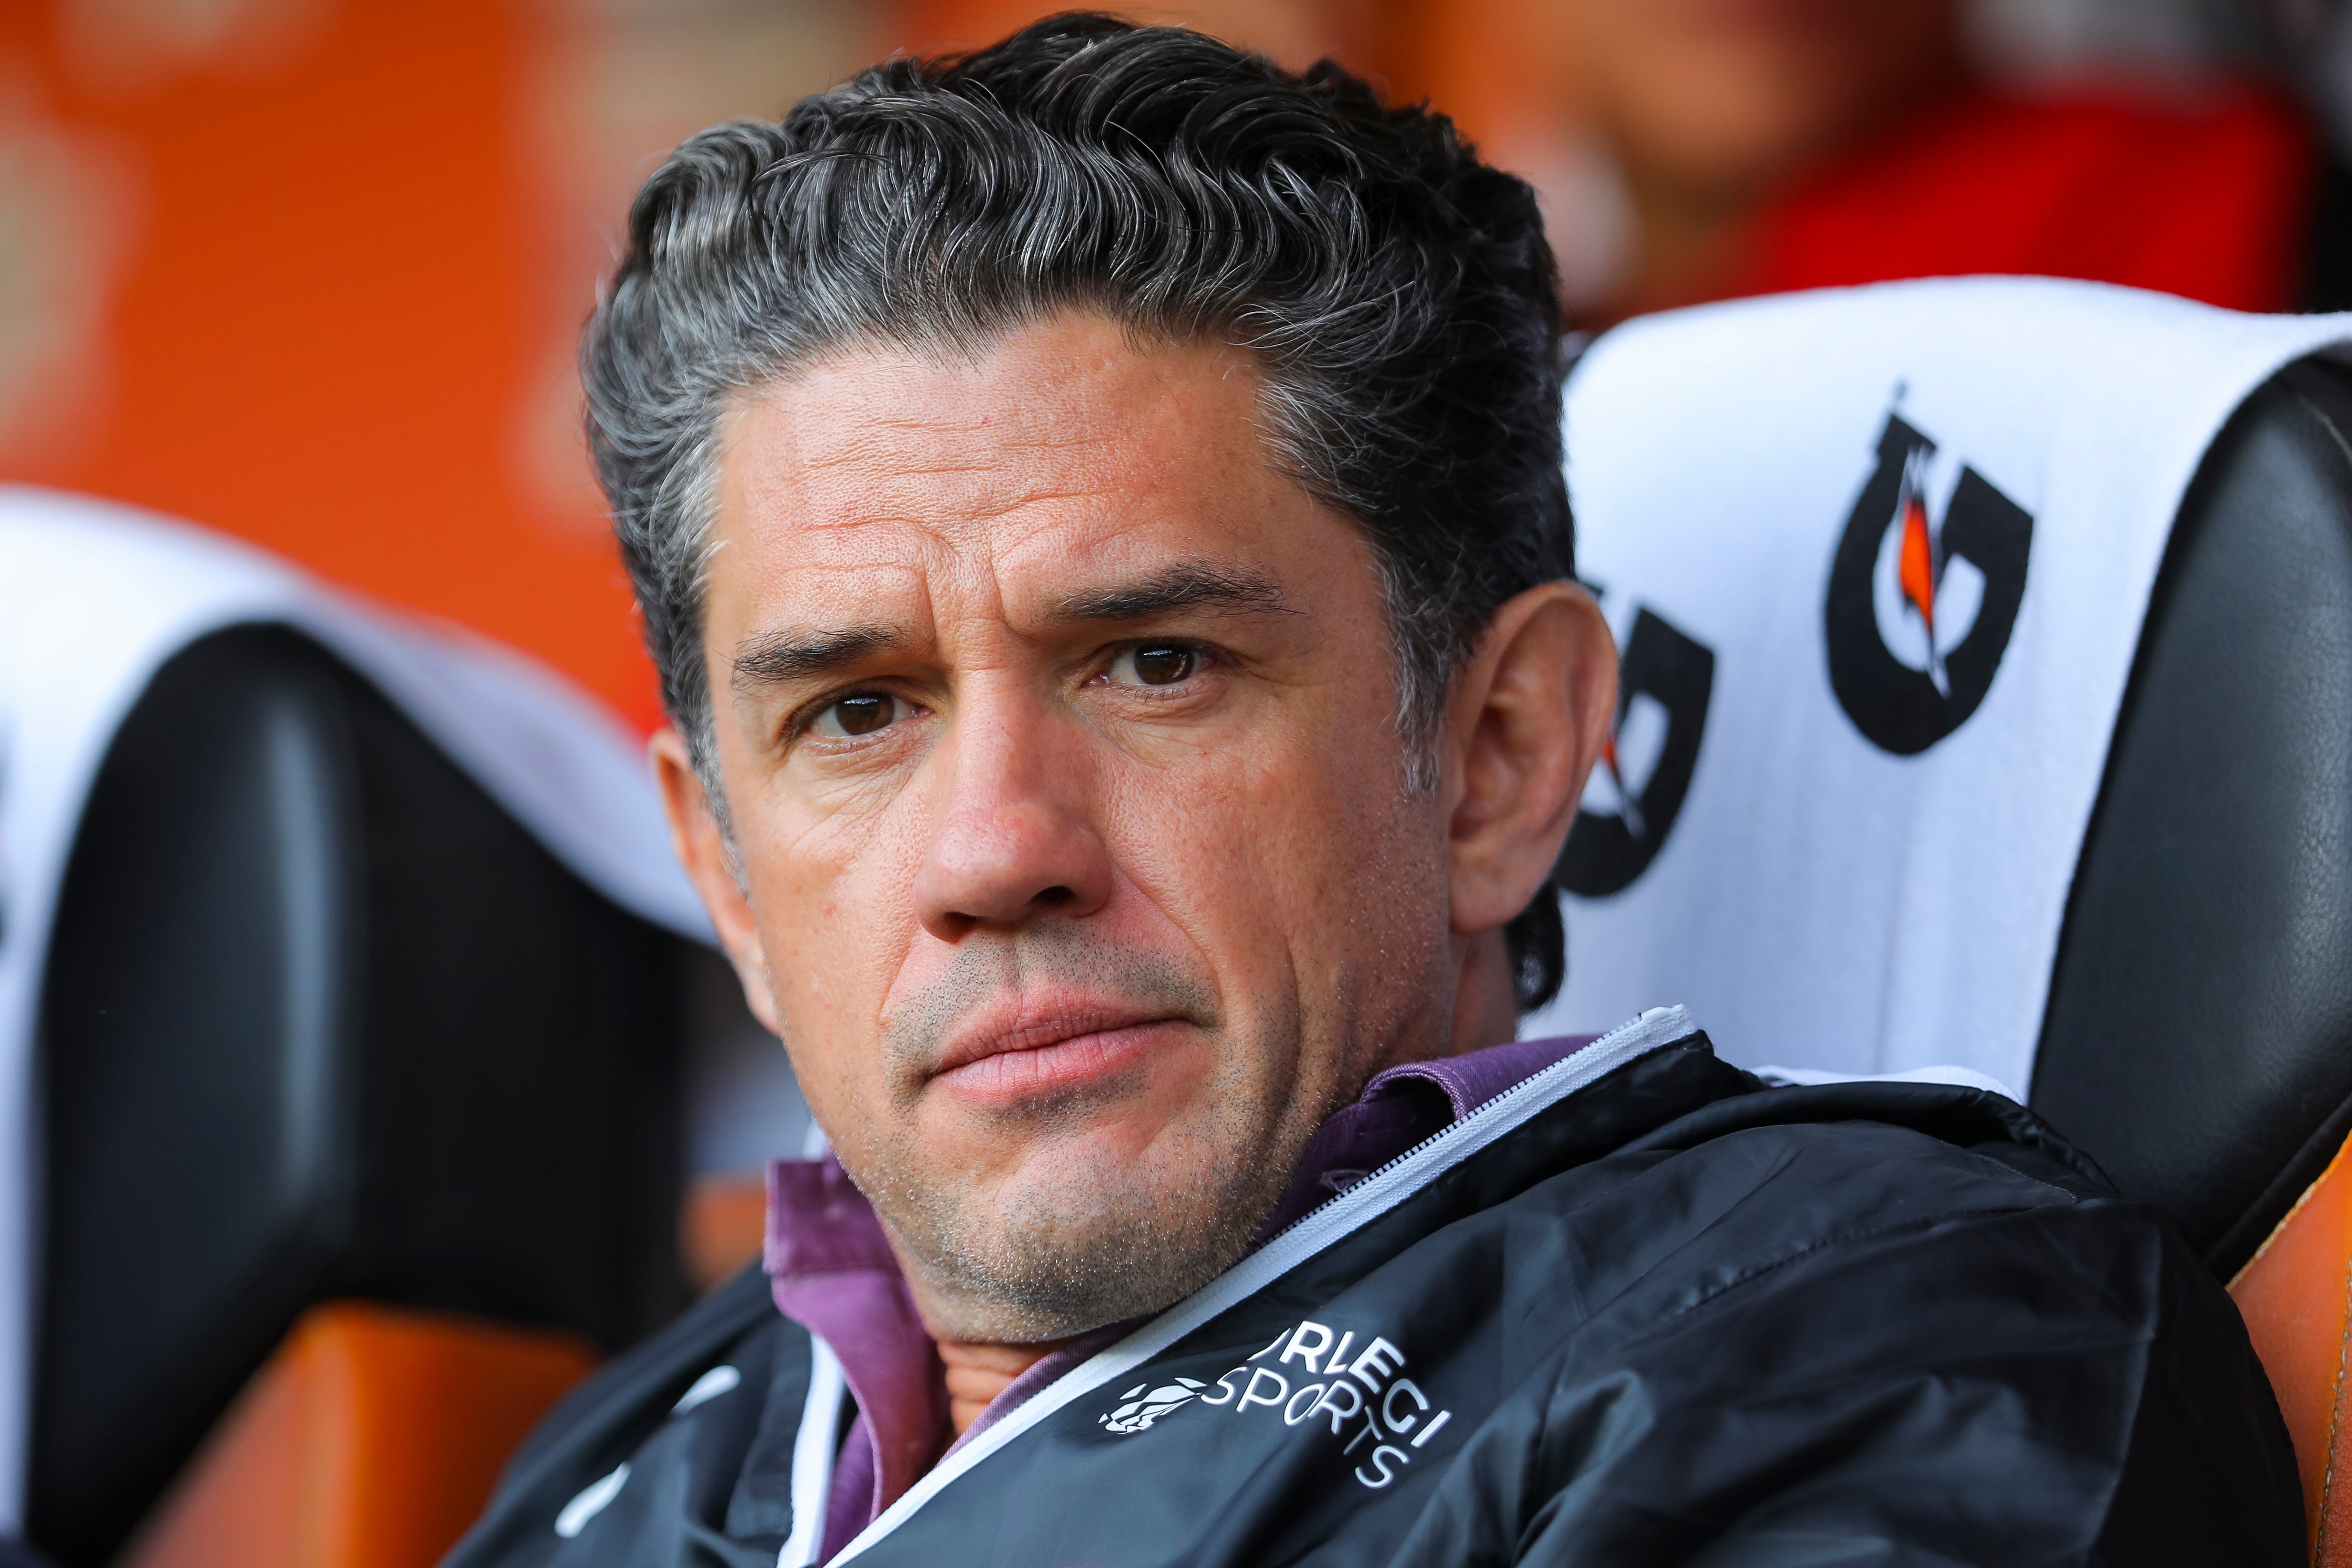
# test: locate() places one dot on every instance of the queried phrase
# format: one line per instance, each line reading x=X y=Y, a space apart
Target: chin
x=1078 y=1165
x=1081 y=1226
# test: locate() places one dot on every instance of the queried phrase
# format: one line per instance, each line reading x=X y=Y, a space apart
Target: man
x=1096 y=510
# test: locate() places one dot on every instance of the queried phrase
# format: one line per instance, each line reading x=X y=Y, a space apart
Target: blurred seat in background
x=321 y=1021
x=368 y=1440
x=1742 y=150
x=332 y=1039
x=1295 y=32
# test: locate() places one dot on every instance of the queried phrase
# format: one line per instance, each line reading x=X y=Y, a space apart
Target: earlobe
x=1527 y=720
x=702 y=850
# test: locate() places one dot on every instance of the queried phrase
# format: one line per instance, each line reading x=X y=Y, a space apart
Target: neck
x=977 y=1373
x=1486 y=1006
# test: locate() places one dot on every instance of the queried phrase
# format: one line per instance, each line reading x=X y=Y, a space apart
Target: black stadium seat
x=2198 y=1039
x=321 y=1020
x=2195 y=1035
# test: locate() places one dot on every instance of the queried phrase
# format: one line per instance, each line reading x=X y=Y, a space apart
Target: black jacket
x=1640 y=1310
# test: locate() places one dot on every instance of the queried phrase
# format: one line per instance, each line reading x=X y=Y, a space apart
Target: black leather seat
x=321 y=1020
x=2198 y=1039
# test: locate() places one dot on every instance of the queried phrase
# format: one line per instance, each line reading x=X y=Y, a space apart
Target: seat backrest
x=320 y=1019
x=2198 y=1036
x=2104 y=853
x=1880 y=560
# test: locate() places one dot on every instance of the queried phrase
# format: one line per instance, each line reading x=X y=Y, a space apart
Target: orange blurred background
x=311 y=272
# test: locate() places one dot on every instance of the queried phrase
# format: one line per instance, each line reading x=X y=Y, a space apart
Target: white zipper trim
x=1366 y=1201
x=813 y=1457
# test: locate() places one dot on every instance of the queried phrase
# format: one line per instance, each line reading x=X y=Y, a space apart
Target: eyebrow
x=1188 y=585
x=788 y=657
x=781 y=659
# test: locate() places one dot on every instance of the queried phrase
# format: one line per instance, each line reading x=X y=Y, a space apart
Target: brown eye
x=849 y=717
x=1163 y=666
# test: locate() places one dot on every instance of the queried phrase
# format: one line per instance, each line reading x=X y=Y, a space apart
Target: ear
x=1526 y=722
x=702 y=850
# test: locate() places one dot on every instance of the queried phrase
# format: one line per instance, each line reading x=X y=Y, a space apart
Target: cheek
x=1281 y=862
x=832 y=896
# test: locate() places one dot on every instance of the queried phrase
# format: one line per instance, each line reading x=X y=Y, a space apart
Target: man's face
x=1058 y=730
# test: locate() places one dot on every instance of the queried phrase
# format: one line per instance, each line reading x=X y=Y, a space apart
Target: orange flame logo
x=1917 y=571
x=1914 y=566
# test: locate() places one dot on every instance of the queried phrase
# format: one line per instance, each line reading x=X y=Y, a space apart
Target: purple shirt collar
x=831 y=1269
x=1399 y=1109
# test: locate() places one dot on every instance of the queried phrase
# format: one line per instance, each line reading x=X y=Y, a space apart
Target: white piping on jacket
x=813 y=1453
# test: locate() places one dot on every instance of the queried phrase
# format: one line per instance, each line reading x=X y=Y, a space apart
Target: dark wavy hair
x=1398 y=293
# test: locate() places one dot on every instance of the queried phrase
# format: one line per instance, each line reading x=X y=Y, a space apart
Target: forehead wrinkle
x=861 y=433
x=983 y=451
x=869 y=435
x=1128 y=532
x=999 y=512
x=899 y=471
x=1003 y=432
x=894 y=493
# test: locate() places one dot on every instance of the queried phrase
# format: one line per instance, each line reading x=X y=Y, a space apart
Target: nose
x=1016 y=840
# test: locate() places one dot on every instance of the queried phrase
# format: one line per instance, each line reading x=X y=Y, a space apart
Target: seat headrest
x=321 y=1019
x=1878 y=559
x=95 y=599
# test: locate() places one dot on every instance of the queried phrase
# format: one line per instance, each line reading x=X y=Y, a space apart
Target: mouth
x=1037 y=1047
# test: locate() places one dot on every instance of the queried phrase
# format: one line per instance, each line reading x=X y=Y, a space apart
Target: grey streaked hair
x=1399 y=294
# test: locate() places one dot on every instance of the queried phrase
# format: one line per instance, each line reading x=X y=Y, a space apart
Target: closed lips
x=1052 y=1052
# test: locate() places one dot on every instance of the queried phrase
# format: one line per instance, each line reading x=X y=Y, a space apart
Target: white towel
x=94 y=598
x=1869 y=866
